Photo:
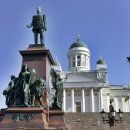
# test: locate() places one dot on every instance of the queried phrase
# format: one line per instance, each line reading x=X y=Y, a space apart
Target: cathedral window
x=98 y=75
x=79 y=60
x=70 y=63
x=73 y=62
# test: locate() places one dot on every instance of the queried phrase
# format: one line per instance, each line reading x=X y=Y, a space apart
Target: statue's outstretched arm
x=31 y=24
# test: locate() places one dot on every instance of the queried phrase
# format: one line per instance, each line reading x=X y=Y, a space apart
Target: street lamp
x=112 y=116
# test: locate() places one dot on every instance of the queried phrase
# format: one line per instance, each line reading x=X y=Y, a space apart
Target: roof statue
x=78 y=37
x=38 y=25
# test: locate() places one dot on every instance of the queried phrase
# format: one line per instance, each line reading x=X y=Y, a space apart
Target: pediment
x=81 y=78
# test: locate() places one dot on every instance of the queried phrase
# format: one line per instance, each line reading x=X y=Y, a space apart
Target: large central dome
x=78 y=43
x=79 y=56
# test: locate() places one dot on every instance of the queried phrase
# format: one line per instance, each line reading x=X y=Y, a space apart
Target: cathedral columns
x=72 y=99
x=116 y=104
x=100 y=100
x=129 y=104
x=64 y=100
x=108 y=101
x=75 y=60
x=83 y=101
x=123 y=104
x=92 y=99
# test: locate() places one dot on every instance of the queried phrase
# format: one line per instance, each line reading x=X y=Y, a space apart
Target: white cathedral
x=87 y=90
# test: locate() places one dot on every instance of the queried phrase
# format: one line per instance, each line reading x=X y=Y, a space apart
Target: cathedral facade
x=87 y=90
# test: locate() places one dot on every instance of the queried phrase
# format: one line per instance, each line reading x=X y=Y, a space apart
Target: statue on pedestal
x=39 y=26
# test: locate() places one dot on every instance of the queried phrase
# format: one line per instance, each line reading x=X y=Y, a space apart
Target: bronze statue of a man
x=39 y=26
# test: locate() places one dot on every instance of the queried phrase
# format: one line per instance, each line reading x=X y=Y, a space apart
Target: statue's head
x=12 y=77
x=41 y=81
x=25 y=67
x=39 y=10
x=33 y=71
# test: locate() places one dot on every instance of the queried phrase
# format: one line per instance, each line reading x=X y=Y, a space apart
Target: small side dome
x=78 y=43
x=57 y=66
x=57 y=63
x=101 y=61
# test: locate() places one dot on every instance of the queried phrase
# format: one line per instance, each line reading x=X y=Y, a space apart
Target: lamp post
x=112 y=116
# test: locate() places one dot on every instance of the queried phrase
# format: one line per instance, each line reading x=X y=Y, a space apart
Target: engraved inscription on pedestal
x=22 y=117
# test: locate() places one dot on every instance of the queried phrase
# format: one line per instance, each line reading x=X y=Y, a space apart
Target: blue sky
x=104 y=25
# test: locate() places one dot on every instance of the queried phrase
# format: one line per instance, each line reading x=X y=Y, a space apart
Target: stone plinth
x=33 y=118
x=39 y=58
x=57 y=120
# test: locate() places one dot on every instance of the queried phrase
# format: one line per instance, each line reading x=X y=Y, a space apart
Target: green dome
x=101 y=61
x=57 y=63
x=78 y=43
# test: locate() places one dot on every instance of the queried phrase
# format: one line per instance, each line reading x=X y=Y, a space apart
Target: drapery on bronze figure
x=58 y=86
x=36 y=91
x=24 y=78
x=39 y=26
x=24 y=90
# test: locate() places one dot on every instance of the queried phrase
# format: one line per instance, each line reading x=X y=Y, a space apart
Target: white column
x=108 y=101
x=75 y=60
x=64 y=100
x=126 y=107
x=123 y=104
x=116 y=104
x=88 y=62
x=81 y=59
x=129 y=104
x=83 y=101
x=92 y=99
x=72 y=99
x=100 y=100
